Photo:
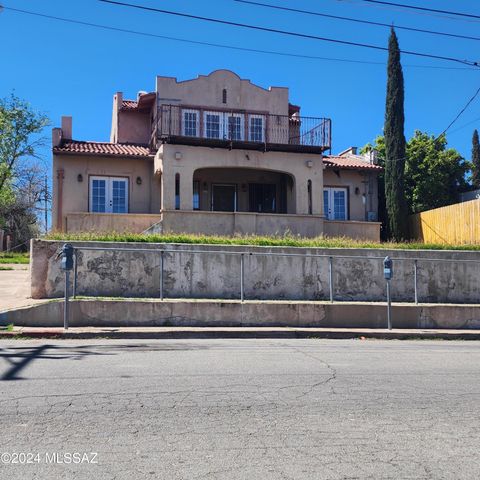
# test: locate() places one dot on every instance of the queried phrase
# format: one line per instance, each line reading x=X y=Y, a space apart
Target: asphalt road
x=240 y=409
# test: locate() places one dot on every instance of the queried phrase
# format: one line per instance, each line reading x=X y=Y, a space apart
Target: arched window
x=224 y=95
x=309 y=191
x=177 y=191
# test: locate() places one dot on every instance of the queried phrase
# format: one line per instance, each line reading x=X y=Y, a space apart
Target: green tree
x=22 y=183
x=434 y=174
x=20 y=126
x=475 y=160
x=395 y=144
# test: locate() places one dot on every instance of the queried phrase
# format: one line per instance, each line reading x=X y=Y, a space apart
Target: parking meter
x=388 y=274
x=67 y=257
x=387 y=268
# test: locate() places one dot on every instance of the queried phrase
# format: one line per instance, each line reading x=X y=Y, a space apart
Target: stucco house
x=213 y=155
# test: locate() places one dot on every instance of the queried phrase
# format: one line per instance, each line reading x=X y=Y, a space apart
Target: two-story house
x=212 y=155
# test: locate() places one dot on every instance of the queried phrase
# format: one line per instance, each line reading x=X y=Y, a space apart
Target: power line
x=285 y=32
x=461 y=112
x=424 y=9
x=465 y=125
x=357 y=20
x=225 y=46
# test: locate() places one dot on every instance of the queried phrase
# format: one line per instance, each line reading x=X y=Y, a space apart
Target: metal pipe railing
x=241 y=254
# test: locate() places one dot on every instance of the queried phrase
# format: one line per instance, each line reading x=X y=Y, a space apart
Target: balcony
x=241 y=129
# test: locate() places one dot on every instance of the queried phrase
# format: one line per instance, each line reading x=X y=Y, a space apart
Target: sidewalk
x=236 y=332
x=15 y=287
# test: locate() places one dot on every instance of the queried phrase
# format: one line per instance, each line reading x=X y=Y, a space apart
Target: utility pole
x=46 y=204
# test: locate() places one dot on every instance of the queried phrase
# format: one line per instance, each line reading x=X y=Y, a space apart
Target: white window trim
x=108 y=192
x=264 y=126
x=220 y=124
x=197 y=123
x=241 y=116
x=331 y=211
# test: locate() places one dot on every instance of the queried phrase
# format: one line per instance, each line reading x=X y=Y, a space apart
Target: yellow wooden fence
x=453 y=225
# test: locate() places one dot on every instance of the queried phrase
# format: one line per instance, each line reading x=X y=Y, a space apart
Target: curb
x=238 y=333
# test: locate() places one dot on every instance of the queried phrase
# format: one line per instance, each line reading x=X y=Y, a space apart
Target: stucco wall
x=75 y=193
x=109 y=222
x=133 y=127
x=217 y=275
x=206 y=90
x=352 y=229
x=238 y=223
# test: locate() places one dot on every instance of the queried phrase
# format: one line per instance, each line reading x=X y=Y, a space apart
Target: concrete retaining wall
x=134 y=313
x=217 y=275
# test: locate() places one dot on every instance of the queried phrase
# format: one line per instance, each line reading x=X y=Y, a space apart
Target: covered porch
x=242 y=190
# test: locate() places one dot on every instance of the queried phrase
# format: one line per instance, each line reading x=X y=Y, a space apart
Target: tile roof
x=352 y=162
x=129 y=104
x=102 y=148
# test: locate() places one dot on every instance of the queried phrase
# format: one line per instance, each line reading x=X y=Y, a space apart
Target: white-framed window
x=212 y=124
x=234 y=126
x=108 y=194
x=256 y=128
x=190 y=122
x=335 y=205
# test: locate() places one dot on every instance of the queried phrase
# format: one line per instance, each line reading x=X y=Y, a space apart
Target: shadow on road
x=18 y=358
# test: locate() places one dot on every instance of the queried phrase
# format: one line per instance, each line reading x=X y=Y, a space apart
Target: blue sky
x=67 y=69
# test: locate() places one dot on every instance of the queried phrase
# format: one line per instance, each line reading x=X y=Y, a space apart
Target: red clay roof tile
x=353 y=162
x=129 y=104
x=103 y=148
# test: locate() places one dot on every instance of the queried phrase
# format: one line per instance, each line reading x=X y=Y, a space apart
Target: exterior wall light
x=80 y=177
x=139 y=180
x=178 y=155
x=309 y=163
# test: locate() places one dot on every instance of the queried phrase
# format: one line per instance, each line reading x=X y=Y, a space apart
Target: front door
x=224 y=198
x=109 y=194
x=335 y=203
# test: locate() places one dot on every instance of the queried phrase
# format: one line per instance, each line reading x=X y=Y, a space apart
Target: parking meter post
x=75 y=261
x=66 y=306
x=67 y=264
x=389 y=307
x=330 y=277
x=388 y=274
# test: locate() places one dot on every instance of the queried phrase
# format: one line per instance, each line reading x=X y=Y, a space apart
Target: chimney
x=56 y=137
x=118 y=100
x=67 y=128
x=117 y=105
x=348 y=151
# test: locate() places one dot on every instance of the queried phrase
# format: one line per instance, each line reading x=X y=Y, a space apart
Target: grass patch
x=10 y=257
x=6 y=268
x=253 y=240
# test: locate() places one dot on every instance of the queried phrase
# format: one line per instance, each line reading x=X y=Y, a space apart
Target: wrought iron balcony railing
x=176 y=121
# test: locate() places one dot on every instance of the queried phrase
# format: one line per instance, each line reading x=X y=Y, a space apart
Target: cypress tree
x=475 y=160
x=395 y=144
